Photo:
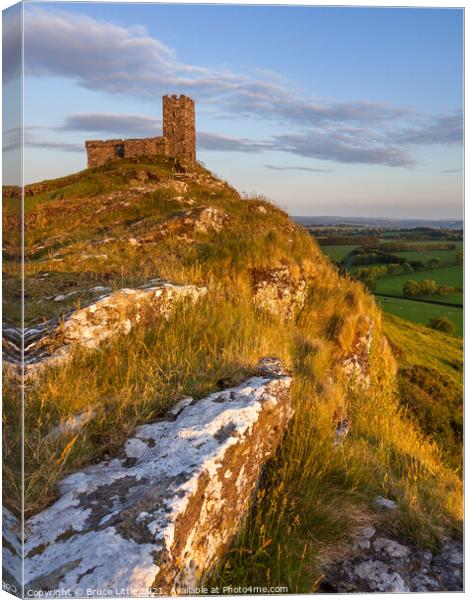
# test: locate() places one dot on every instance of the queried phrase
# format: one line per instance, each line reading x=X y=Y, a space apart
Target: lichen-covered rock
x=203 y=219
x=161 y=513
x=112 y=314
x=11 y=552
x=356 y=363
x=277 y=291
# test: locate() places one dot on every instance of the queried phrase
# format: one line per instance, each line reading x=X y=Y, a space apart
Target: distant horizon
x=335 y=220
x=314 y=216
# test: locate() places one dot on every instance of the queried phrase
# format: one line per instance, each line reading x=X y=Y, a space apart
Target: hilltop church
x=178 y=140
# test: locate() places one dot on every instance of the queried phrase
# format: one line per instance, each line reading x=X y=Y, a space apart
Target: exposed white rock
x=72 y=424
x=378 y=563
x=379 y=579
x=391 y=547
x=52 y=342
x=163 y=512
x=386 y=503
x=356 y=363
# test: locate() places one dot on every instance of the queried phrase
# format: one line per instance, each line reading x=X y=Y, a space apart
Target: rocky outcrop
x=184 y=227
x=160 y=514
x=277 y=291
x=379 y=563
x=112 y=314
x=356 y=363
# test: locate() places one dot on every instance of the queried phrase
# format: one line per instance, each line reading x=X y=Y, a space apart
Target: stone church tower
x=178 y=140
x=179 y=126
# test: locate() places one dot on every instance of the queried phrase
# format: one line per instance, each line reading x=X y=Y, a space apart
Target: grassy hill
x=129 y=222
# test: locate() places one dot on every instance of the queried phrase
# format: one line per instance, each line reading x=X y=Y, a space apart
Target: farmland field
x=337 y=252
x=451 y=276
x=389 y=289
x=421 y=312
x=447 y=257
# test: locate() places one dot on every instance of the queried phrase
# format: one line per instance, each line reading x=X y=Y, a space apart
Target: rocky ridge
x=111 y=314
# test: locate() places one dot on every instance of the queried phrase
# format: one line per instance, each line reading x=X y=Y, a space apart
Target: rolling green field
x=337 y=252
x=421 y=312
x=451 y=276
x=447 y=257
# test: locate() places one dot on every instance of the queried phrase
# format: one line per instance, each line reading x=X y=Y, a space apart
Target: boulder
x=162 y=513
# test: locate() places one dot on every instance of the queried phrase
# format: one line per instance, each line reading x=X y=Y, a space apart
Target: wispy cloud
x=310 y=169
x=337 y=147
x=11 y=43
x=220 y=143
x=451 y=171
x=443 y=129
x=106 y=57
x=13 y=138
x=131 y=125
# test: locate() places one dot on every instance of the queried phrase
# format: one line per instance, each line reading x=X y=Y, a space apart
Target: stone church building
x=178 y=140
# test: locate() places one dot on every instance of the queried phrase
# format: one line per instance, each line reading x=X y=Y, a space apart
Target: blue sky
x=338 y=111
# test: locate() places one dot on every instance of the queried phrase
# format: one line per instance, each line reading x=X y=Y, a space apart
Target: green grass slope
x=421 y=312
x=419 y=345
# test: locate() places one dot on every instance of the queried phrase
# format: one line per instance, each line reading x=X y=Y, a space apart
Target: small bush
x=407 y=268
x=413 y=289
x=441 y=324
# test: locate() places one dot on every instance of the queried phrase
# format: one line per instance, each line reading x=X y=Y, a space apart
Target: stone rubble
x=163 y=511
x=377 y=563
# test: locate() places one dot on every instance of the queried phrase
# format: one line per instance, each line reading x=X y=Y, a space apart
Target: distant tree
x=417 y=264
x=428 y=287
x=459 y=257
x=411 y=288
x=407 y=268
x=370 y=282
x=441 y=324
x=393 y=268
x=379 y=271
x=434 y=263
x=445 y=289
